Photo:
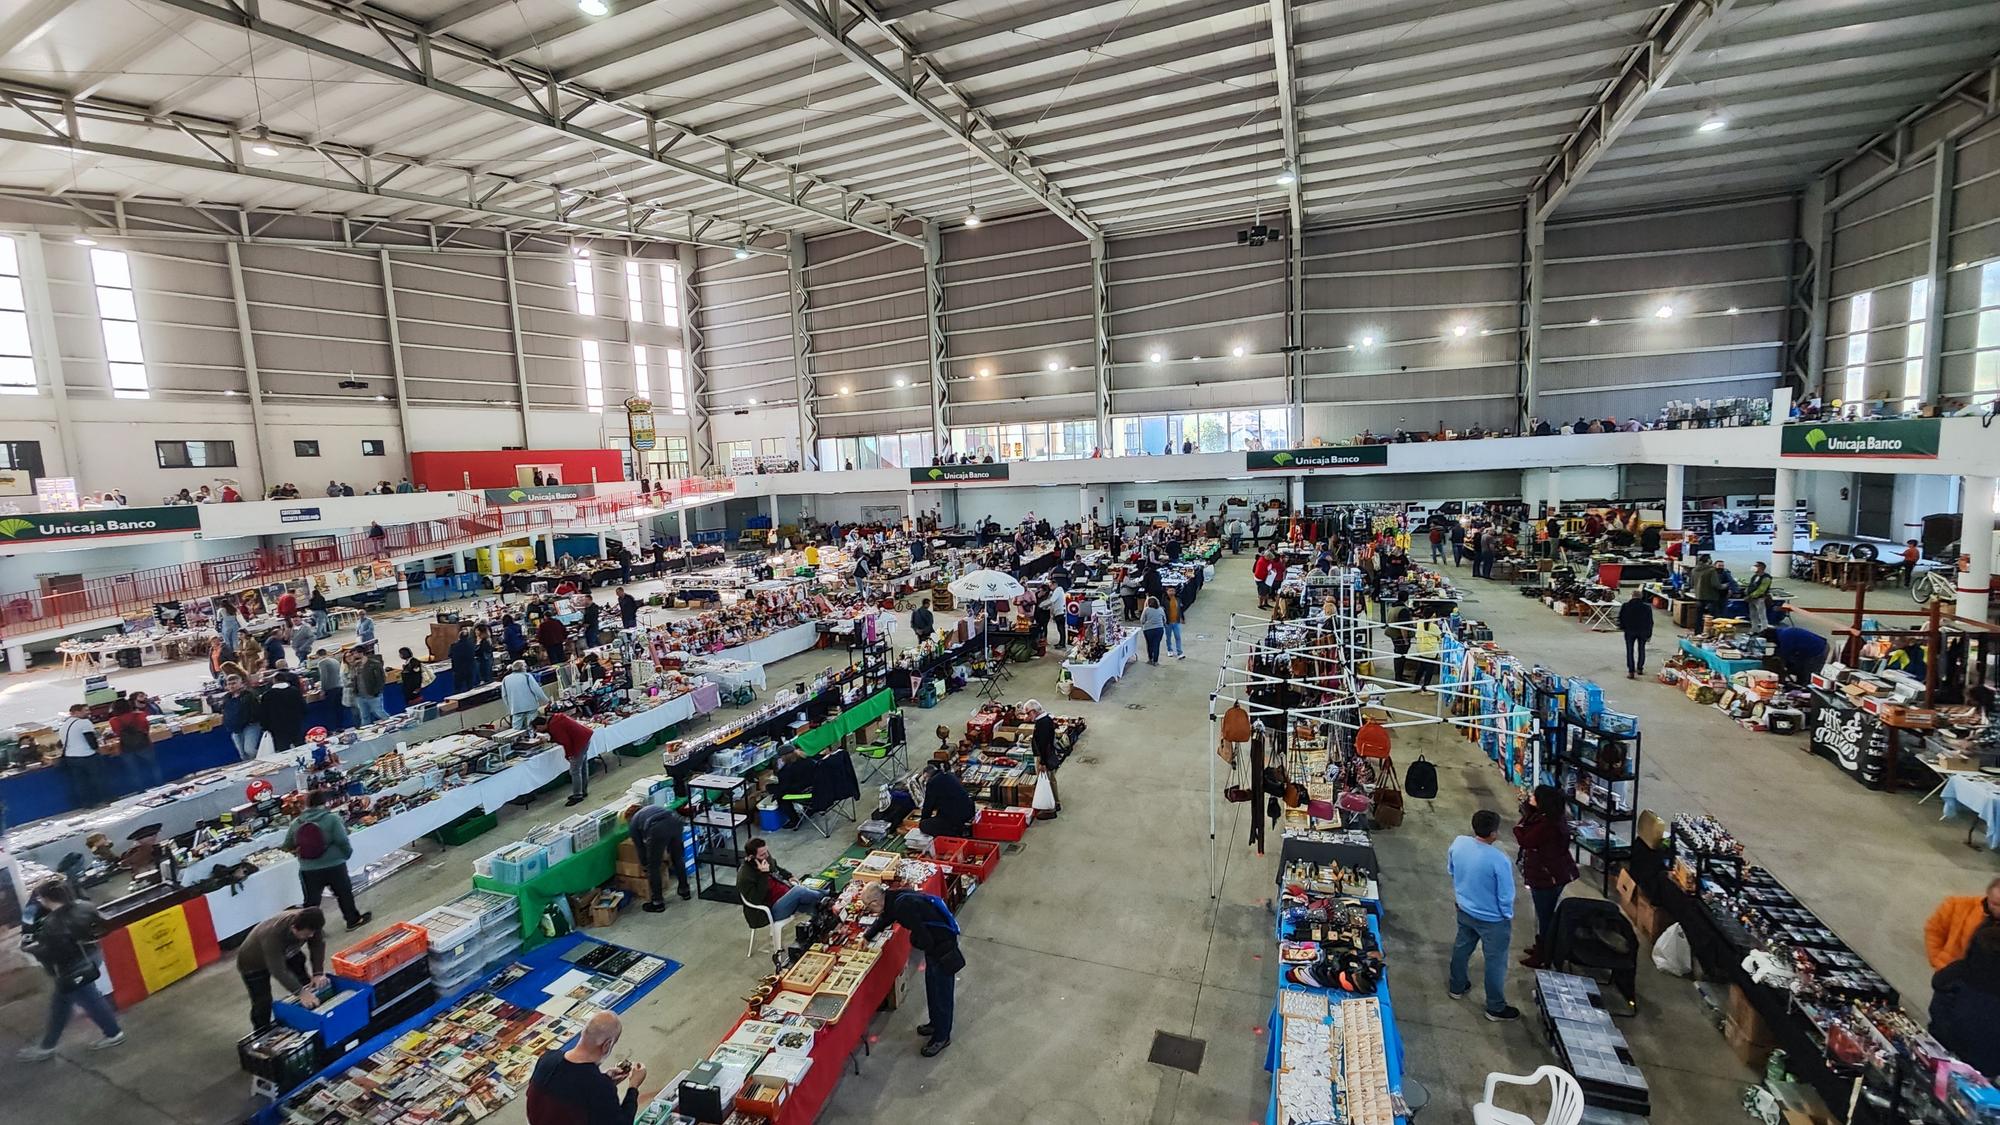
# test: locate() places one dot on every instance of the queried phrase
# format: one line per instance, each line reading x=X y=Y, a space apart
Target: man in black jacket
x=1047 y=756
x=281 y=710
x=934 y=933
x=947 y=807
x=659 y=835
x=628 y=610
x=1635 y=620
x=922 y=622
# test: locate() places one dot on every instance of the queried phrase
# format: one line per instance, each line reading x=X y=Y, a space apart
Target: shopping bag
x=1671 y=952
x=1045 y=794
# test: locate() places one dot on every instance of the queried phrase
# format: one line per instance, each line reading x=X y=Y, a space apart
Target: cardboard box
x=628 y=852
x=1799 y=1104
x=1648 y=921
x=633 y=870
x=1741 y=1012
x=637 y=886
x=899 y=990
x=1685 y=613
x=1745 y=1044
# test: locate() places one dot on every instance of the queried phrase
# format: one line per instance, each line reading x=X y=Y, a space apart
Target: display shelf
x=1594 y=793
x=720 y=830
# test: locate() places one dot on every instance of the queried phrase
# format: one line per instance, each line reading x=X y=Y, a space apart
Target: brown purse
x=1236 y=724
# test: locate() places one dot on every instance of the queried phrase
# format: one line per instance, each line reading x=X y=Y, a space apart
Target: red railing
x=124 y=595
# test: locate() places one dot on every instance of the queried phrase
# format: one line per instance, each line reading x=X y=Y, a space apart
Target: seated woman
x=761 y=882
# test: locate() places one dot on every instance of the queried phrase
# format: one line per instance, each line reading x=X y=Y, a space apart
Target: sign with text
x=957 y=474
x=539 y=493
x=98 y=523
x=1902 y=437
x=298 y=515
x=1321 y=457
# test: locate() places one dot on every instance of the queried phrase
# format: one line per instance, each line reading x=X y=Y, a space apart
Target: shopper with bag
x=64 y=940
x=522 y=694
x=1547 y=864
x=318 y=837
x=1048 y=759
x=82 y=763
x=934 y=933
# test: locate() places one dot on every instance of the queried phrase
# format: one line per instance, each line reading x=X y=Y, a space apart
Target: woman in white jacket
x=522 y=693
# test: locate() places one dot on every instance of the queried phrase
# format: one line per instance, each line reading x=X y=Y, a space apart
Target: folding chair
x=891 y=756
x=835 y=791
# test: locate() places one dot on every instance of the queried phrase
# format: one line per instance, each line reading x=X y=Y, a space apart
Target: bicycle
x=1933 y=584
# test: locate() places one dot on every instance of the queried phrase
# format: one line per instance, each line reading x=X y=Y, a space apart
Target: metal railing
x=134 y=593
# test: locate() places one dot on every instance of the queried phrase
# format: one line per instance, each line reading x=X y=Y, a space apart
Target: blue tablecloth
x=1392 y=1040
x=1979 y=795
x=1722 y=667
x=33 y=794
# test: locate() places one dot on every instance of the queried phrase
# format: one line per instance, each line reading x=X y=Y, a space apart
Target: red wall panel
x=494 y=468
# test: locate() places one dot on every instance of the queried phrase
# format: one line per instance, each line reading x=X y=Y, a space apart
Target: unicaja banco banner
x=1910 y=437
x=957 y=474
x=91 y=524
x=1320 y=457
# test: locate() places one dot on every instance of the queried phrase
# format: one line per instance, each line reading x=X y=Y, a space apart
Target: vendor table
x=851 y=721
x=1723 y=667
x=1600 y=617
x=729 y=675
x=776 y=647
x=205 y=799
x=1979 y=795
x=635 y=729
x=1092 y=678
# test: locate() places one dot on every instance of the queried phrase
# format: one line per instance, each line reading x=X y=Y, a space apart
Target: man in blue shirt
x=1801 y=651
x=1482 y=883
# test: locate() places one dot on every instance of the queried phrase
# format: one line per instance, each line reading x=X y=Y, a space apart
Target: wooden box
x=807 y=972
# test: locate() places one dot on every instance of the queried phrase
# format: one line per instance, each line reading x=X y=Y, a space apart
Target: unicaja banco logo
x=517 y=494
x=936 y=473
x=1815 y=438
x=12 y=527
x=1282 y=458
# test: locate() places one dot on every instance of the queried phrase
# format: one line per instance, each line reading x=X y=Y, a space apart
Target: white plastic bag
x=1671 y=953
x=1045 y=794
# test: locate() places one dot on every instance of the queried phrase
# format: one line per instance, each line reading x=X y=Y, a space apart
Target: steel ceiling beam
x=919 y=80
x=1669 y=41
x=1898 y=149
x=187 y=141
x=553 y=105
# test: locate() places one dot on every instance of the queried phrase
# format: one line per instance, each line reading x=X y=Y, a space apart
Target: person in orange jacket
x=1951 y=926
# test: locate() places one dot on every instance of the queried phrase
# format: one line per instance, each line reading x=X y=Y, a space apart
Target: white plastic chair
x=1565 y=1100
x=774 y=926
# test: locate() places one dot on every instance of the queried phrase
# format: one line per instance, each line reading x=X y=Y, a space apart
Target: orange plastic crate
x=1004 y=825
x=376 y=957
x=976 y=858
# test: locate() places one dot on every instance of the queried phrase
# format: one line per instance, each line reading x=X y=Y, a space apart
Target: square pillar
x=1676 y=496
x=1975 y=507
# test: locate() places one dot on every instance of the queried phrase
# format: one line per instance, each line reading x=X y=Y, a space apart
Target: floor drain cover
x=1177 y=1051
x=1010 y=849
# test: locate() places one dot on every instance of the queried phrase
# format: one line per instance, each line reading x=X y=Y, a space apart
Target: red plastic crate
x=1004 y=825
x=376 y=957
x=976 y=858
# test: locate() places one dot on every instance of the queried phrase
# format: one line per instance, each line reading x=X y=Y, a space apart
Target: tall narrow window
x=1913 y=343
x=642 y=380
x=118 y=314
x=1986 y=337
x=17 y=358
x=670 y=296
x=677 y=398
x=586 y=288
x=635 y=298
x=1857 y=349
x=593 y=378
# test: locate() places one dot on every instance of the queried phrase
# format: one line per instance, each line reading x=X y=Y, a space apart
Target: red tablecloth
x=841 y=1038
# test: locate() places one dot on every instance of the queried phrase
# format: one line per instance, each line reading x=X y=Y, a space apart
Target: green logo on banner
x=517 y=495
x=1903 y=438
x=936 y=473
x=1316 y=457
x=13 y=527
x=958 y=474
x=1281 y=458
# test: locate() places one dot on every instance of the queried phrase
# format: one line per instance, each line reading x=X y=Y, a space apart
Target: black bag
x=1421 y=780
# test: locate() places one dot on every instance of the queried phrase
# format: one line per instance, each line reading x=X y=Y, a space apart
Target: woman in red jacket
x=1547 y=865
x=1261 y=571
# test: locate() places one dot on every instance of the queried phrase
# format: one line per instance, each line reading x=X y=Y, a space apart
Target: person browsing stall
x=923 y=622
x=522 y=694
x=1801 y=651
x=1949 y=930
x=658 y=834
x=1547 y=864
x=1047 y=756
x=1965 y=1004
x=947 y=808
x=573 y=1088
x=574 y=738
x=318 y=837
x=1482 y=884
x=934 y=933
x=287 y=949
x=762 y=882
x=554 y=638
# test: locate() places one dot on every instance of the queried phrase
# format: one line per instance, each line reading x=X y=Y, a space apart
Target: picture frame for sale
x=1183 y=507
x=1149 y=507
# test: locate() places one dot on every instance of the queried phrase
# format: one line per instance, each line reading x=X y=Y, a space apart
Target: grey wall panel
x=865 y=320
x=1883 y=237
x=1497 y=485
x=1194 y=293
x=746 y=326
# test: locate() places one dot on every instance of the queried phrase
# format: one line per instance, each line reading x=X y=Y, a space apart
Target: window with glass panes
x=1027 y=441
x=1913 y=343
x=118 y=314
x=17 y=357
x=1856 y=377
x=593 y=378
x=1986 y=337
x=876 y=451
x=1206 y=431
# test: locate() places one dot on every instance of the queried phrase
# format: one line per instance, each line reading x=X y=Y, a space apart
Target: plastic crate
x=447 y=931
x=492 y=910
x=554 y=840
x=514 y=864
x=1005 y=825
x=374 y=958
x=335 y=1022
x=977 y=858
x=467 y=828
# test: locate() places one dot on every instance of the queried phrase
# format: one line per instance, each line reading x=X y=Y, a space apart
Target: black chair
x=1591 y=938
x=834 y=792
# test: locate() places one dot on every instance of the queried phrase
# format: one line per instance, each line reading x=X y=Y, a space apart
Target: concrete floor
x=1101 y=930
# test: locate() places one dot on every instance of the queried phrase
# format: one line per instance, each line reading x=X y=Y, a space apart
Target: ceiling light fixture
x=264 y=148
x=592 y=7
x=1486 y=332
x=1715 y=123
x=843 y=390
x=381 y=398
x=1732 y=310
x=1237 y=351
x=902 y=382
x=1460 y=330
x=1054 y=366
x=742 y=252
x=1367 y=341
x=753 y=402
x=1664 y=311
x=1153 y=358
x=84 y=240
x=1287 y=175
x=1594 y=320
x=972 y=215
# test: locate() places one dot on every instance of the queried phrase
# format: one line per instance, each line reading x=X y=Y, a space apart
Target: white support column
x=683 y=514
x=1944 y=182
x=1083 y=504
x=1676 y=496
x=253 y=382
x=1784 y=527
x=396 y=358
x=936 y=350
x=1100 y=340
x=1298 y=495
x=1816 y=227
x=1553 y=490
x=701 y=432
x=48 y=361
x=1976 y=539
x=1532 y=267
x=520 y=350
x=911 y=505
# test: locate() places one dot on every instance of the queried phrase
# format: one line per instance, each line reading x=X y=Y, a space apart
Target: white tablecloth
x=1093 y=678
x=776 y=647
x=727 y=674
x=1979 y=795
x=637 y=728
x=206 y=801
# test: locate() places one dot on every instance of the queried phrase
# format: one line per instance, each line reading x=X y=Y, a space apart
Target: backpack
x=309 y=840
x=1421 y=779
x=948 y=922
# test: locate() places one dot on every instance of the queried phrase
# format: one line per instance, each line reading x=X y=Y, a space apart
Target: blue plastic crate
x=336 y=1023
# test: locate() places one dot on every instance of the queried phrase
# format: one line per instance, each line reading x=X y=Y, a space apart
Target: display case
x=1598 y=772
